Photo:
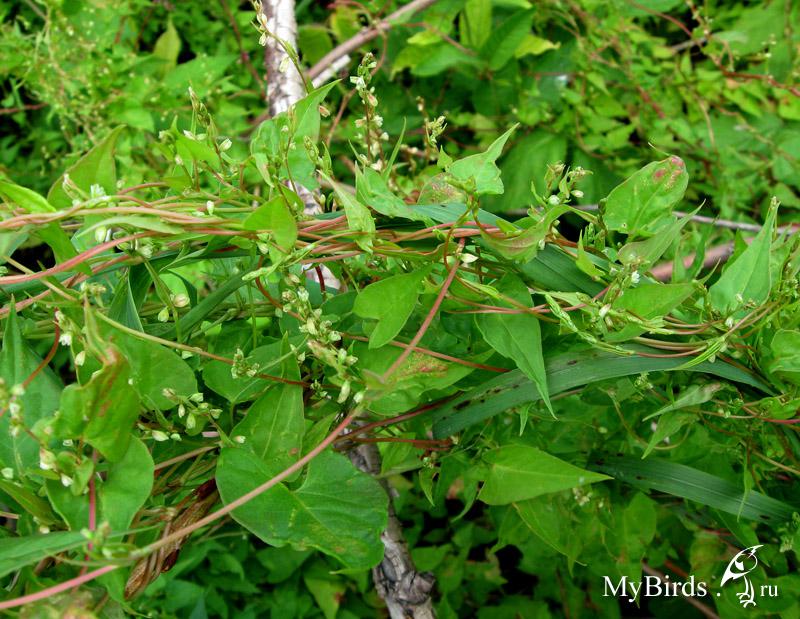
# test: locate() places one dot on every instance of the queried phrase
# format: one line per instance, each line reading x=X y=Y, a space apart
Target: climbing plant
x=217 y=402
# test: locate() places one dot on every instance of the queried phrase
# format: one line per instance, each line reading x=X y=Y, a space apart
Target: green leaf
x=359 y=219
x=518 y=337
x=103 y=411
x=519 y=472
x=168 y=46
x=474 y=17
x=303 y=123
x=275 y=217
x=122 y=493
x=123 y=306
x=747 y=278
x=209 y=303
x=41 y=397
x=389 y=301
x=506 y=39
x=274 y=425
x=565 y=371
x=338 y=510
x=17 y=552
x=651 y=300
x=28 y=501
x=127 y=486
x=154 y=368
x=525 y=165
x=689 y=483
x=97 y=167
x=643 y=254
x=644 y=201
x=25 y=198
x=785 y=348
x=544 y=518
x=217 y=375
x=534 y=46
x=32 y=202
x=481 y=168
x=668 y=424
x=371 y=188
x=525 y=244
x=190 y=149
x=419 y=374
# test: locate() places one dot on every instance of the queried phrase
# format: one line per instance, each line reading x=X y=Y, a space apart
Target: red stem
x=428 y=319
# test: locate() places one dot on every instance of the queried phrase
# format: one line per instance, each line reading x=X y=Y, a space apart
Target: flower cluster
x=371 y=122
x=192 y=409
x=324 y=342
x=11 y=400
x=559 y=184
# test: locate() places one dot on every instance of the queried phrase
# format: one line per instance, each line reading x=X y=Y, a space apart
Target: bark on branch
x=405 y=591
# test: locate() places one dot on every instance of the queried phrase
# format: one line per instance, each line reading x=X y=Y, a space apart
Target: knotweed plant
x=176 y=373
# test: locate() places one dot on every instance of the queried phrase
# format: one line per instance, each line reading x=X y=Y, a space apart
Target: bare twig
x=705 y=610
x=243 y=54
x=23 y=108
x=365 y=36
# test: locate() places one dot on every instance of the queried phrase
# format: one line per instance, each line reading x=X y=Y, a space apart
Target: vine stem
x=184 y=532
x=55 y=590
x=73 y=262
x=428 y=319
x=249 y=496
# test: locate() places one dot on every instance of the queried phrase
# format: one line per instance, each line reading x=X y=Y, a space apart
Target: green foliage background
x=689 y=458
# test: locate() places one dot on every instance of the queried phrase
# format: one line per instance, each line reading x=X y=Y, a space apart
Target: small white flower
x=160 y=436
x=80 y=358
x=311 y=328
x=66 y=481
x=554 y=200
x=180 y=300
x=65 y=339
x=239 y=439
x=47 y=460
x=344 y=393
x=577 y=193
x=635 y=277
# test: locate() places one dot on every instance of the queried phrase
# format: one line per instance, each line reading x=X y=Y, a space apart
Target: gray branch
x=405 y=591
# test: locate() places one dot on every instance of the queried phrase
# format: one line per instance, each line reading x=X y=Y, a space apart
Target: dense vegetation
x=546 y=311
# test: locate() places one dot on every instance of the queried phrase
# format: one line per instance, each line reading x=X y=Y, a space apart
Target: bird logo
x=739 y=567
